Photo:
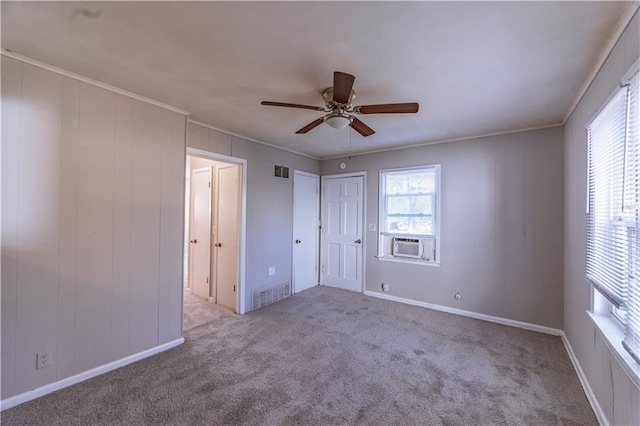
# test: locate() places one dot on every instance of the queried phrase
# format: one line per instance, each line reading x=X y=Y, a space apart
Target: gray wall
x=269 y=239
x=501 y=226
x=92 y=208
x=615 y=392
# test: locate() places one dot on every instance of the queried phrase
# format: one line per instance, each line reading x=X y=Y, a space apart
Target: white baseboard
x=591 y=397
x=461 y=312
x=60 y=384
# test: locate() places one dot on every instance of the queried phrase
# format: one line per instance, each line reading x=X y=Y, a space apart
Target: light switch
x=372 y=227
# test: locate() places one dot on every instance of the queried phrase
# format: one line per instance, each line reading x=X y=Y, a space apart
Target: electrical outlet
x=272 y=270
x=43 y=359
x=385 y=287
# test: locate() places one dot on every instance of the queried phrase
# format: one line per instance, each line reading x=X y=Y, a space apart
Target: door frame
x=318 y=221
x=240 y=299
x=362 y=174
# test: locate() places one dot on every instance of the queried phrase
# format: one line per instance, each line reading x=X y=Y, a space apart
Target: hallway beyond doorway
x=198 y=311
x=212 y=229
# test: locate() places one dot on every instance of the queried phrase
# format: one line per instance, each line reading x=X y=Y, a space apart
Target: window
x=613 y=247
x=409 y=219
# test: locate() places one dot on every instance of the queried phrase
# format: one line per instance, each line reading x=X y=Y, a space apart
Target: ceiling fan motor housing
x=327 y=95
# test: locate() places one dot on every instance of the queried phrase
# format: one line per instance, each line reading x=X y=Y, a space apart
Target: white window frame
x=383 y=235
x=603 y=312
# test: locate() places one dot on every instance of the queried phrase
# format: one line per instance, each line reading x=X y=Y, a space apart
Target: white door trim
x=317 y=178
x=240 y=299
x=364 y=218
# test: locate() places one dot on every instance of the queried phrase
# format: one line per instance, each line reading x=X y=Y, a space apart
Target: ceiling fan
x=341 y=113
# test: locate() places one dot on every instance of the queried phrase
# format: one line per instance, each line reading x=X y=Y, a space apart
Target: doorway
x=214 y=231
x=343 y=231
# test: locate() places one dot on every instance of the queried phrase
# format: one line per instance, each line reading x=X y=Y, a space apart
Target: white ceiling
x=475 y=67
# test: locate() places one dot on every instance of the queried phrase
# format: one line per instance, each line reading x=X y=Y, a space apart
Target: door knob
x=358 y=241
x=193 y=241
x=298 y=241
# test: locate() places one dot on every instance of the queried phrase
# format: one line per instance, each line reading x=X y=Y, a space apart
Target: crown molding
x=604 y=55
x=43 y=65
x=437 y=142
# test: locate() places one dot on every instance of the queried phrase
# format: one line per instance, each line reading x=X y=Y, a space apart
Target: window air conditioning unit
x=407 y=247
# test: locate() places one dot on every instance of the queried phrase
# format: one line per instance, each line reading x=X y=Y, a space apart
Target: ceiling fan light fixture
x=338 y=121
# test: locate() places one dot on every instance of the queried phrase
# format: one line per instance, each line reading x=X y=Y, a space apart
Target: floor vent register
x=267 y=296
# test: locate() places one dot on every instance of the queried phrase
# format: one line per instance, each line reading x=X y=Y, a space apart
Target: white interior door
x=305 y=230
x=226 y=235
x=342 y=230
x=200 y=232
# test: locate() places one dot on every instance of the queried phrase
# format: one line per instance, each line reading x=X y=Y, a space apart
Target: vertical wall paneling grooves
x=92 y=210
x=92 y=225
x=177 y=156
x=164 y=144
x=122 y=173
x=198 y=137
x=11 y=102
x=64 y=356
x=95 y=227
x=219 y=142
x=148 y=131
x=37 y=243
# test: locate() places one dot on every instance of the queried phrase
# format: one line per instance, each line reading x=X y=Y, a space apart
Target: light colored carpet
x=327 y=356
x=198 y=311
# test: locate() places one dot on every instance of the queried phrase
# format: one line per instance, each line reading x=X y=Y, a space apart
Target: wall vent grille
x=270 y=295
x=280 y=171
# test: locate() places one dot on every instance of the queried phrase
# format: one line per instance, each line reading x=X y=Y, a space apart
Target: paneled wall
x=617 y=394
x=211 y=140
x=92 y=210
x=501 y=226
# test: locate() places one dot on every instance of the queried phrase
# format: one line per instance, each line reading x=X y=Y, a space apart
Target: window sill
x=388 y=258
x=613 y=336
x=407 y=235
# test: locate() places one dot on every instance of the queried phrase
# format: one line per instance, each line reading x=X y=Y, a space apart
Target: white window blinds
x=613 y=248
x=632 y=200
x=608 y=233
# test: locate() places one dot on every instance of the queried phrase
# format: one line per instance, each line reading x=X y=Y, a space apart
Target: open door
x=306 y=208
x=200 y=232
x=226 y=234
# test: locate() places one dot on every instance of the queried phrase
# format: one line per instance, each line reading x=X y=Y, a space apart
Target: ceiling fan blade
x=311 y=125
x=342 y=85
x=361 y=128
x=405 y=108
x=284 y=104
